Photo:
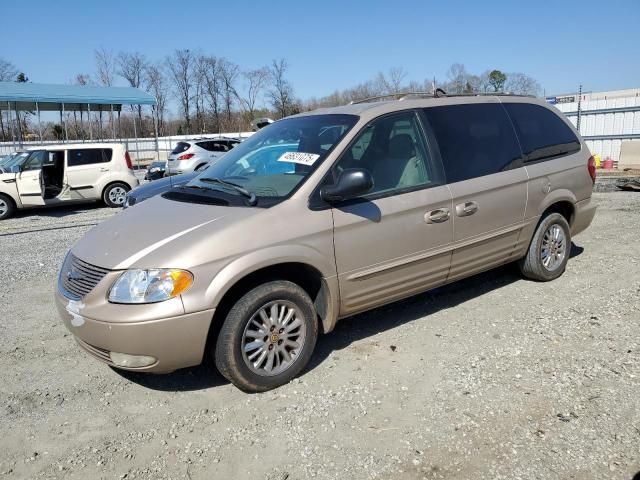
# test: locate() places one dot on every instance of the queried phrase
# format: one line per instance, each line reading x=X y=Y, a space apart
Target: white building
x=608 y=120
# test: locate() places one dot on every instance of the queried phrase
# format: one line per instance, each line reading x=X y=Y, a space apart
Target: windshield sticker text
x=299 y=157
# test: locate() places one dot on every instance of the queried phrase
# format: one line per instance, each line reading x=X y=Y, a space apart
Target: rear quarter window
x=88 y=156
x=474 y=140
x=542 y=134
x=181 y=147
x=214 y=146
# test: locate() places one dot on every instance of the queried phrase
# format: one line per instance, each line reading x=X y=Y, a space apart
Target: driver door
x=396 y=240
x=29 y=180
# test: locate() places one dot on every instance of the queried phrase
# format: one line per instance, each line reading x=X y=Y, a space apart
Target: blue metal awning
x=74 y=97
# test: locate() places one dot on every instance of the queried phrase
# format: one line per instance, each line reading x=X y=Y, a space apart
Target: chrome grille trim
x=78 y=278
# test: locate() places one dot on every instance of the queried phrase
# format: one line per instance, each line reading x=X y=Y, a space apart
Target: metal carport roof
x=24 y=96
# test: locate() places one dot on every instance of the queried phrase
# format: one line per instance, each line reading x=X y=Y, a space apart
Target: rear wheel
x=549 y=250
x=114 y=195
x=7 y=206
x=268 y=337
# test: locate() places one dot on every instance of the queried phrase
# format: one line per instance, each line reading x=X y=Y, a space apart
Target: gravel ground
x=493 y=377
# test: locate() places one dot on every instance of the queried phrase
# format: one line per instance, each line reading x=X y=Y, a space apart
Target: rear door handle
x=104 y=169
x=466 y=209
x=437 y=216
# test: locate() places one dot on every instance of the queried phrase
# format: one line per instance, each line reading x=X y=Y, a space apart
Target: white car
x=57 y=174
x=191 y=155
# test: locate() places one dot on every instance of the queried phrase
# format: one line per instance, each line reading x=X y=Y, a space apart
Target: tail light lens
x=186 y=156
x=591 y=166
x=127 y=157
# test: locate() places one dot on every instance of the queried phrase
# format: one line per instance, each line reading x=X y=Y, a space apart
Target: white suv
x=56 y=174
x=192 y=155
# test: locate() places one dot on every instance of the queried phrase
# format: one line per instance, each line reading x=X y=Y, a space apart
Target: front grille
x=77 y=278
x=97 y=352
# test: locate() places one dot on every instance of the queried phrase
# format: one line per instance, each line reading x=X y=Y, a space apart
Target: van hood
x=153 y=234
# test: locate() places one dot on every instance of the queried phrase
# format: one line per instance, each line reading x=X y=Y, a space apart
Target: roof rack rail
x=439 y=93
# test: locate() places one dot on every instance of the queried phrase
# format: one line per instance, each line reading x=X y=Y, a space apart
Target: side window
x=35 y=160
x=543 y=135
x=474 y=140
x=88 y=156
x=393 y=150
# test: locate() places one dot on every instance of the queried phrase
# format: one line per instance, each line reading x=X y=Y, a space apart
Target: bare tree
x=181 y=65
x=199 y=96
x=157 y=83
x=521 y=84
x=457 y=76
x=281 y=92
x=212 y=83
x=131 y=67
x=229 y=75
x=105 y=65
x=8 y=73
x=255 y=82
x=391 y=82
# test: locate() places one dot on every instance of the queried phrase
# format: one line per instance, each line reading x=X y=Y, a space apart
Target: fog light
x=131 y=361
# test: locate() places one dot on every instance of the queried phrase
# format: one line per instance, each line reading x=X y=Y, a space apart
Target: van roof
x=378 y=105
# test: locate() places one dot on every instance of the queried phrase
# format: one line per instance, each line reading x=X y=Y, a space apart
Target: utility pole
x=579 y=108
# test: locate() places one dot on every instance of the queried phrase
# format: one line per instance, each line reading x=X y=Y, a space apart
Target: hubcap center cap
x=274 y=338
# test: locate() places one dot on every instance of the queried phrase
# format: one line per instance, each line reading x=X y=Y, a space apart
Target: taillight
x=128 y=160
x=186 y=156
x=591 y=166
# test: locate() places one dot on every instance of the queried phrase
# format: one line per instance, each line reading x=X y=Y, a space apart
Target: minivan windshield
x=271 y=163
x=13 y=165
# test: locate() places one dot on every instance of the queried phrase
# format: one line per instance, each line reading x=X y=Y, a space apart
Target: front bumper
x=176 y=342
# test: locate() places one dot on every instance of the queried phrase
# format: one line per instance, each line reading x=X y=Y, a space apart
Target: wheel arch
x=110 y=183
x=248 y=272
x=562 y=202
x=12 y=197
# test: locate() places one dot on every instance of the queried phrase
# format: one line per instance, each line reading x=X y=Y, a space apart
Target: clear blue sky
x=332 y=44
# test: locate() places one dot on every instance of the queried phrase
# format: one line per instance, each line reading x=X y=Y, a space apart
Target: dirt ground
x=493 y=377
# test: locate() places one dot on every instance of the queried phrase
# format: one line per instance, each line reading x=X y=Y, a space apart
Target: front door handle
x=467 y=208
x=437 y=216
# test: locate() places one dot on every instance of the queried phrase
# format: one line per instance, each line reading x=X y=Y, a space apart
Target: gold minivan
x=320 y=216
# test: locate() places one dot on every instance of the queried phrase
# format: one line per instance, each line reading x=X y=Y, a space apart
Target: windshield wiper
x=250 y=195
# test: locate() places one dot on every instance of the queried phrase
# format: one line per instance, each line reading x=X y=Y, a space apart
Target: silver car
x=192 y=155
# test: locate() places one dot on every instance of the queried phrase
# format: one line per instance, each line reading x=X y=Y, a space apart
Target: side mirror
x=352 y=183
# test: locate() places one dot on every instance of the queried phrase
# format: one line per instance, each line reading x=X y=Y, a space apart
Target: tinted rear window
x=543 y=135
x=88 y=156
x=474 y=140
x=213 y=146
x=181 y=147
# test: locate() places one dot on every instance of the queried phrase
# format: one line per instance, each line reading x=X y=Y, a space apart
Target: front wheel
x=268 y=337
x=549 y=250
x=114 y=195
x=6 y=206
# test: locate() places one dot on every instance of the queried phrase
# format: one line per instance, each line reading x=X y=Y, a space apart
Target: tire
x=246 y=337
x=549 y=250
x=197 y=169
x=114 y=195
x=7 y=207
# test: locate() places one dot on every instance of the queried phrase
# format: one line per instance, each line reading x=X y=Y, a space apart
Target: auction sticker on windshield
x=299 y=157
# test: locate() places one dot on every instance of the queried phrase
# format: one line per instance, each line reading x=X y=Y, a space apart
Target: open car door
x=29 y=180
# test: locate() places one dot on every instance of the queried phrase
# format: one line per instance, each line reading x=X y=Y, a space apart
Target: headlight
x=149 y=286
